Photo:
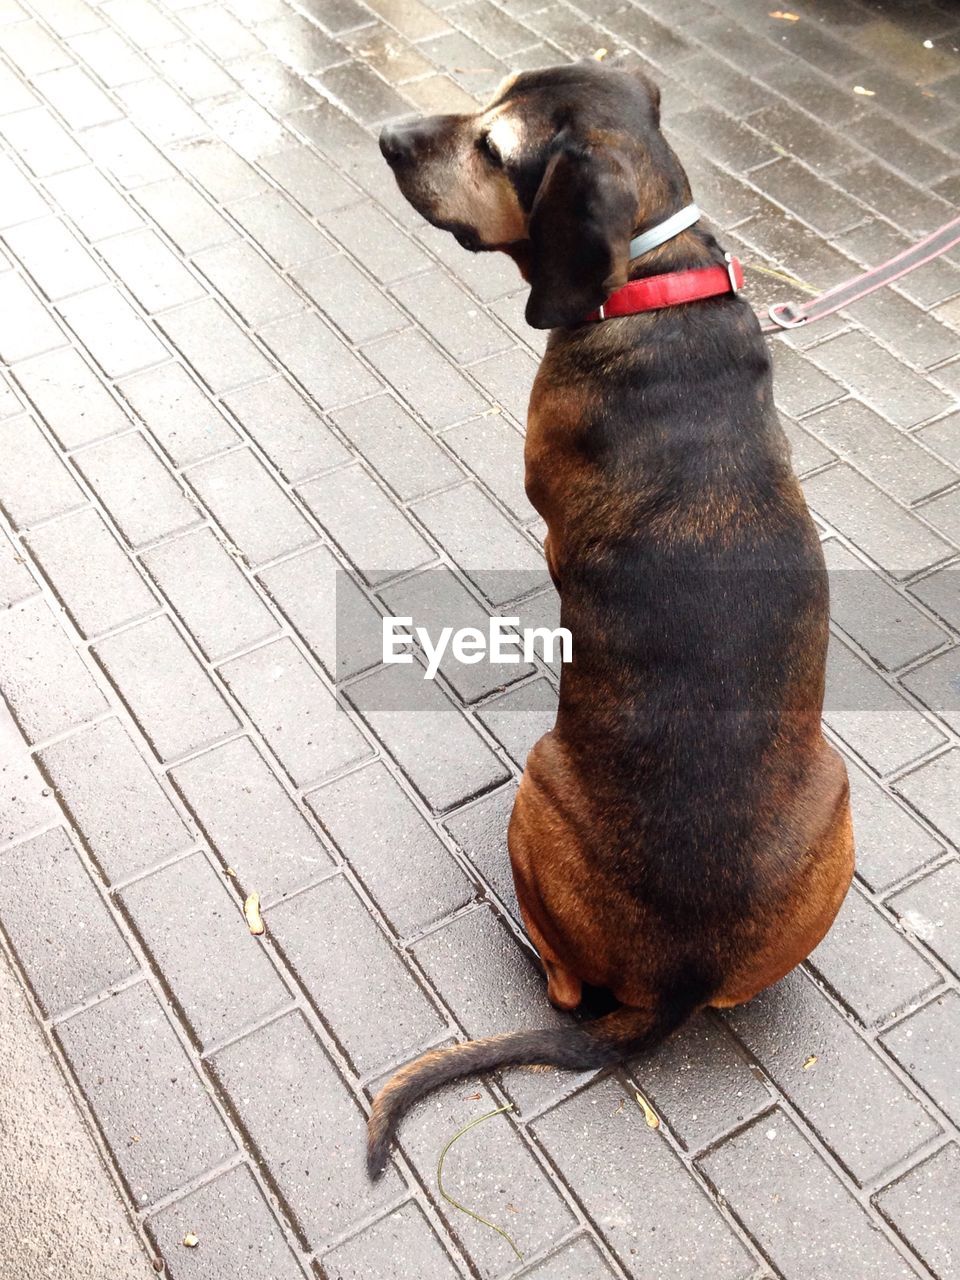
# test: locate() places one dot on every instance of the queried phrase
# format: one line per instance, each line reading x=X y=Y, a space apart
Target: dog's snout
x=396 y=144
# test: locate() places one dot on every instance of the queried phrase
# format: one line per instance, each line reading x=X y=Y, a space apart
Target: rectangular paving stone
x=872 y=717
x=151 y=271
x=129 y=824
x=869 y=964
x=194 y=931
x=493 y=451
x=375 y=242
x=280 y=229
x=16 y=581
x=121 y=150
x=54 y=257
x=430 y=738
x=287 y=427
x=113 y=333
x=365 y=95
x=309 y=179
x=935 y=683
x=159 y=112
x=41 y=141
x=296 y=713
x=891 y=844
x=355 y=304
x=627 y=1178
x=318 y=359
x=508 y=377
x=480 y=832
x=912 y=210
x=451 y=317
x=154 y=1111
x=793 y=1021
x=138 y=491
x=109 y=56
x=885 y=455
x=386 y=1249
x=939 y=592
x=76 y=97
x=91 y=573
x=822 y=205
x=46 y=684
x=26 y=327
x=44 y=879
x=70 y=397
x=34 y=483
x=799 y=386
x=329 y=611
x=266 y=524
x=484 y=544
x=210 y=593
x=248 y=282
x=402 y=862
x=798 y=1211
x=187 y=218
x=179 y=416
x=927 y=1046
x=307 y=1127
x=434 y=389
x=700 y=1082
x=397 y=447
x=944 y=514
x=520 y=717
x=171 y=697
x=250 y=820
x=26 y=802
x=874 y=614
x=88 y=199
x=214 y=345
x=361 y=518
x=493 y=1169
x=352 y=942
x=888 y=534
x=921 y=1206
x=932 y=790
x=31 y=48
x=880 y=379
x=22 y=201
x=436 y=598
x=236 y=1229
x=580 y=1260
x=142 y=22
x=930 y=911
x=488 y=276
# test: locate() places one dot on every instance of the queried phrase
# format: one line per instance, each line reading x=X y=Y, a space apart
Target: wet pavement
x=251 y=402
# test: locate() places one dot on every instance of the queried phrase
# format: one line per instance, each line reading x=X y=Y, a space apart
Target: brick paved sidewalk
x=236 y=363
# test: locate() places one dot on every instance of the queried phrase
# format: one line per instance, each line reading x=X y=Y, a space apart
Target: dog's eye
x=486 y=146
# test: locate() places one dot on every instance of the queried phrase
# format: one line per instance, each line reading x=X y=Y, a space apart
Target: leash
x=791 y=315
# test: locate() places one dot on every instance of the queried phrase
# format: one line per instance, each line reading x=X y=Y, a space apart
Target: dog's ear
x=580 y=227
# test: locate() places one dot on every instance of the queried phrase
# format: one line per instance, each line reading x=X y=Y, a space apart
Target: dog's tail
x=600 y=1043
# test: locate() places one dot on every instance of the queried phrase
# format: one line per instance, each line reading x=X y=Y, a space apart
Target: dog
x=682 y=836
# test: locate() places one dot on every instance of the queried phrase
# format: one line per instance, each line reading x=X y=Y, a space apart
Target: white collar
x=664 y=231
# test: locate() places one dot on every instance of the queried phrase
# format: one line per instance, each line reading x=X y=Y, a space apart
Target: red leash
x=791 y=315
x=669 y=290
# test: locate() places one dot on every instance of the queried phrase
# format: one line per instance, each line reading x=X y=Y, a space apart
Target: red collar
x=654 y=292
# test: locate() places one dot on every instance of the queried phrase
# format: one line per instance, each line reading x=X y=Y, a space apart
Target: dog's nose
x=396 y=144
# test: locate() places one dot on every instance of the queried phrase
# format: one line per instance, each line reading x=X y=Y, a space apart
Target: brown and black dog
x=682 y=836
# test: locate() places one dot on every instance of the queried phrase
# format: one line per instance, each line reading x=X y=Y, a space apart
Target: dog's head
x=559 y=170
